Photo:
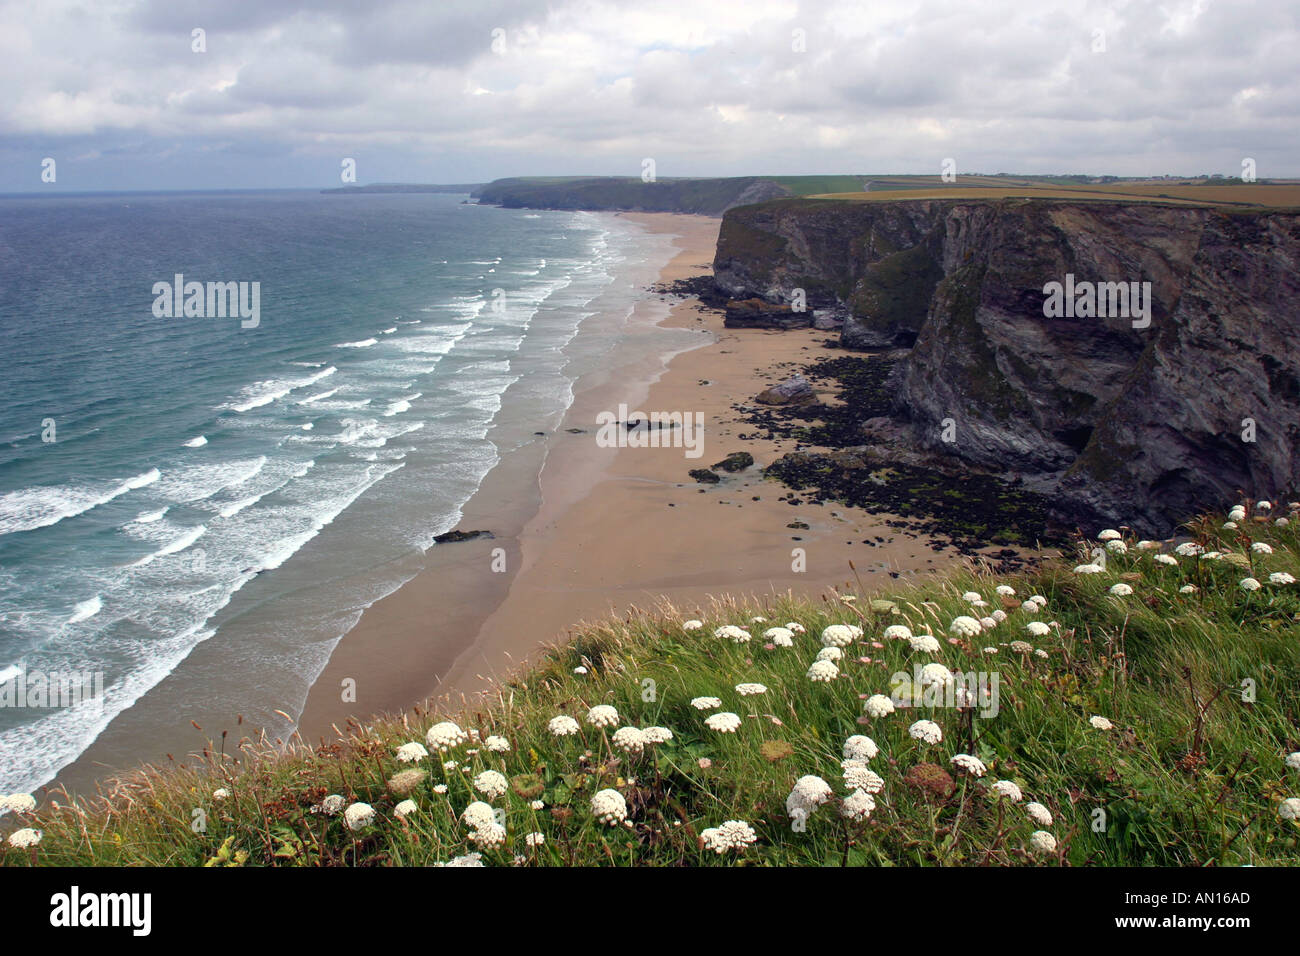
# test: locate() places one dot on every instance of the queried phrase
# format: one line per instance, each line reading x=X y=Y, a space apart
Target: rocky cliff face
x=1141 y=425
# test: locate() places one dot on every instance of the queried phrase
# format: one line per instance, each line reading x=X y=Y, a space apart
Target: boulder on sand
x=792 y=391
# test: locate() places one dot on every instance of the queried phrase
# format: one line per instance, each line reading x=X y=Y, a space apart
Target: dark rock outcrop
x=1142 y=425
x=756 y=314
x=451 y=537
x=794 y=389
x=736 y=461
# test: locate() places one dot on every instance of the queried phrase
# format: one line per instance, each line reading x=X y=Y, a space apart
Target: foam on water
x=205 y=525
x=30 y=508
x=86 y=610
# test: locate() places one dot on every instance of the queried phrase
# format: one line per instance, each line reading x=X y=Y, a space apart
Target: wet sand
x=607 y=528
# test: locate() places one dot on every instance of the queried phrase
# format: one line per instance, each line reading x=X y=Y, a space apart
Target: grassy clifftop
x=706 y=196
x=1142 y=713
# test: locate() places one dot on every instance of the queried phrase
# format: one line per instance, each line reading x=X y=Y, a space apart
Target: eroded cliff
x=1123 y=418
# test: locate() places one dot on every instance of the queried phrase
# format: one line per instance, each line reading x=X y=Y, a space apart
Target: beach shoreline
x=606 y=529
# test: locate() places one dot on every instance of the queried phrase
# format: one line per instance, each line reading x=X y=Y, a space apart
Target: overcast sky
x=418 y=91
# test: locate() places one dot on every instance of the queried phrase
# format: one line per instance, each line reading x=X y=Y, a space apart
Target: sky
x=270 y=94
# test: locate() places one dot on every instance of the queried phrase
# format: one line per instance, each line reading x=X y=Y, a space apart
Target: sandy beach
x=608 y=528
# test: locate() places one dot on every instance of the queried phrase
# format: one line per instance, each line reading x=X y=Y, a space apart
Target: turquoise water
x=192 y=455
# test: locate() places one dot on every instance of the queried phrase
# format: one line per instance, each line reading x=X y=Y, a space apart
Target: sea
x=168 y=476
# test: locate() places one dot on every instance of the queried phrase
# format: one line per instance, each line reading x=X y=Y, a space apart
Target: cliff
x=1119 y=423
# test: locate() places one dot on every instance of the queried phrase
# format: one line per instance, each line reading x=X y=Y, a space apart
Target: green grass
x=1201 y=688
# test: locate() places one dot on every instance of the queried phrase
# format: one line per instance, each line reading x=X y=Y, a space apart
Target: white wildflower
x=732 y=835
x=17 y=803
x=723 y=723
x=562 y=726
x=859 y=747
x=969 y=764
x=878 y=705
x=823 y=671
x=1039 y=814
x=478 y=814
x=359 y=816
x=857 y=805
x=750 y=690
x=488 y=836
x=25 y=838
x=331 y=805
x=838 y=635
x=927 y=731
x=602 y=715
x=706 y=703
x=409 y=753
x=629 y=740
x=809 y=793
x=1007 y=789
x=780 y=636
x=609 y=807
x=964 y=627
x=1042 y=842
x=1101 y=723
x=858 y=777
x=445 y=735
x=925 y=643
x=491 y=784
x=935 y=673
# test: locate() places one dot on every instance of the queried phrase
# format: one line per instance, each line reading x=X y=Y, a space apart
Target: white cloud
x=594 y=85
